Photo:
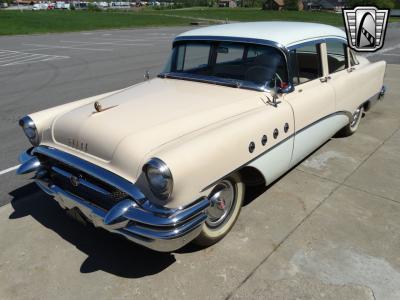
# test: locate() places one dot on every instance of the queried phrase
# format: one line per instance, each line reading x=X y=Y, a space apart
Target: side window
x=229 y=53
x=336 y=56
x=305 y=63
x=254 y=51
x=192 y=56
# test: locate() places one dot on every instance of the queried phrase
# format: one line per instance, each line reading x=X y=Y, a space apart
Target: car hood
x=147 y=116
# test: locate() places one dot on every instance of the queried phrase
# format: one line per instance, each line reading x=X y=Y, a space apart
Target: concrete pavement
x=329 y=229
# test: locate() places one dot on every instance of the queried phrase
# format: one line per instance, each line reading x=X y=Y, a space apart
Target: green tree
x=377 y=3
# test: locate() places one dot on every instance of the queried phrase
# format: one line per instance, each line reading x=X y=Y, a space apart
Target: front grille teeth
x=89 y=188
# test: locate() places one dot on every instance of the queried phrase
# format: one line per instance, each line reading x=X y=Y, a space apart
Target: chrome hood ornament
x=97 y=106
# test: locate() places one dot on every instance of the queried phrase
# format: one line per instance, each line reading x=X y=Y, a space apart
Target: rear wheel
x=352 y=127
x=226 y=202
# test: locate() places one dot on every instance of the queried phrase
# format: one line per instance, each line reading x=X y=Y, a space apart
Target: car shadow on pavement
x=106 y=252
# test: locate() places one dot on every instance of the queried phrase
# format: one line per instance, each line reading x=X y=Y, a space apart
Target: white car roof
x=283 y=33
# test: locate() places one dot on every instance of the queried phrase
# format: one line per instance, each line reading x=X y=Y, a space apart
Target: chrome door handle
x=325 y=79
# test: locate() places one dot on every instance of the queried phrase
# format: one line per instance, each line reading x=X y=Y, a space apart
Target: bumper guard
x=134 y=217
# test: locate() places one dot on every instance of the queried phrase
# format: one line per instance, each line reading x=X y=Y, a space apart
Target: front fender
x=199 y=160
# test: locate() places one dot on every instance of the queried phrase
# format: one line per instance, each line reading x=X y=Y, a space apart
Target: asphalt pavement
x=42 y=71
x=329 y=229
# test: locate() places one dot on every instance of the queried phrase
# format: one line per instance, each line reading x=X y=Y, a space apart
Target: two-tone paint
x=204 y=131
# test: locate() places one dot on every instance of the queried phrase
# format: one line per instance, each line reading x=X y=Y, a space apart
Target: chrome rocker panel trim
x=158 y=228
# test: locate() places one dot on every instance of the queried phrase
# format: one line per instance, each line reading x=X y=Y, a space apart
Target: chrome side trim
x=346 y=113
x=276 y=145
x=93 y=170
x=249 y=162
x=312 y=136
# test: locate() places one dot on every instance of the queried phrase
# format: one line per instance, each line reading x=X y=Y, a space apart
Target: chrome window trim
x=316 y=41
x=227 y=39
x=346 y=54
x=209 y=79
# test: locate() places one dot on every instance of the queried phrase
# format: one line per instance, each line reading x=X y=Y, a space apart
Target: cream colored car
x=166 y=162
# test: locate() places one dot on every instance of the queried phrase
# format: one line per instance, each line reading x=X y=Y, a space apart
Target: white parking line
x=14 y=56
x=105 y=43
x=118 y=39
x=66 y=47
x=9 y=170
x=9 y=58
x=390 y=54
x=6 y=53
x=383 y=50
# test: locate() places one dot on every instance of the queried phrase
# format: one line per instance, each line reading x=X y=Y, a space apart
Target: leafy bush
x=93 y=7
x=292 y=4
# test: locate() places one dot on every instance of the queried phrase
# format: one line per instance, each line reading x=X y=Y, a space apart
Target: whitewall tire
x=226 y=202
x=352 y=127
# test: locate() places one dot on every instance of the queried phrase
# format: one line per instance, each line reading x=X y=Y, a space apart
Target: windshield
x=232 y=63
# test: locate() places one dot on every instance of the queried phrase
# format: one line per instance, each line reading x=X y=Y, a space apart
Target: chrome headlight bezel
x=30 y=130
x=159 y=178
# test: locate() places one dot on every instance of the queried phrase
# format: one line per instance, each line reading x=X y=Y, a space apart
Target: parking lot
x=328 y=229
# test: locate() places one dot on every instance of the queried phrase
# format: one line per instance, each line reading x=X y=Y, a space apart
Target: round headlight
x=159 y=178
x=30 y=130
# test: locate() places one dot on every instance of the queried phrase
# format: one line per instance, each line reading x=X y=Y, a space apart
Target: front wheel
x=352 y=127
x=226 y=201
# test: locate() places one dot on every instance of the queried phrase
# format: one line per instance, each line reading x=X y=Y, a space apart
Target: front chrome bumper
x=130 y=214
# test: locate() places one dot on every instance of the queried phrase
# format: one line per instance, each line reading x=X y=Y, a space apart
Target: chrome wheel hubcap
x=222 y=201
x=356 y=117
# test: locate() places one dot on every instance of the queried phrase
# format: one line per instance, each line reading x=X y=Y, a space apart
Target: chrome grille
x=88 y=187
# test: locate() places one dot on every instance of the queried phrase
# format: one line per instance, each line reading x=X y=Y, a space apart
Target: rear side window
x=336 y=56
x=305 y=63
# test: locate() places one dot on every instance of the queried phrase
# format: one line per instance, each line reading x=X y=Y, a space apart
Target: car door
x=313 y=101
x=353 y=84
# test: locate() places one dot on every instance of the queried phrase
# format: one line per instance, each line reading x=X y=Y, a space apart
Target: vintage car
x=166 y=161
